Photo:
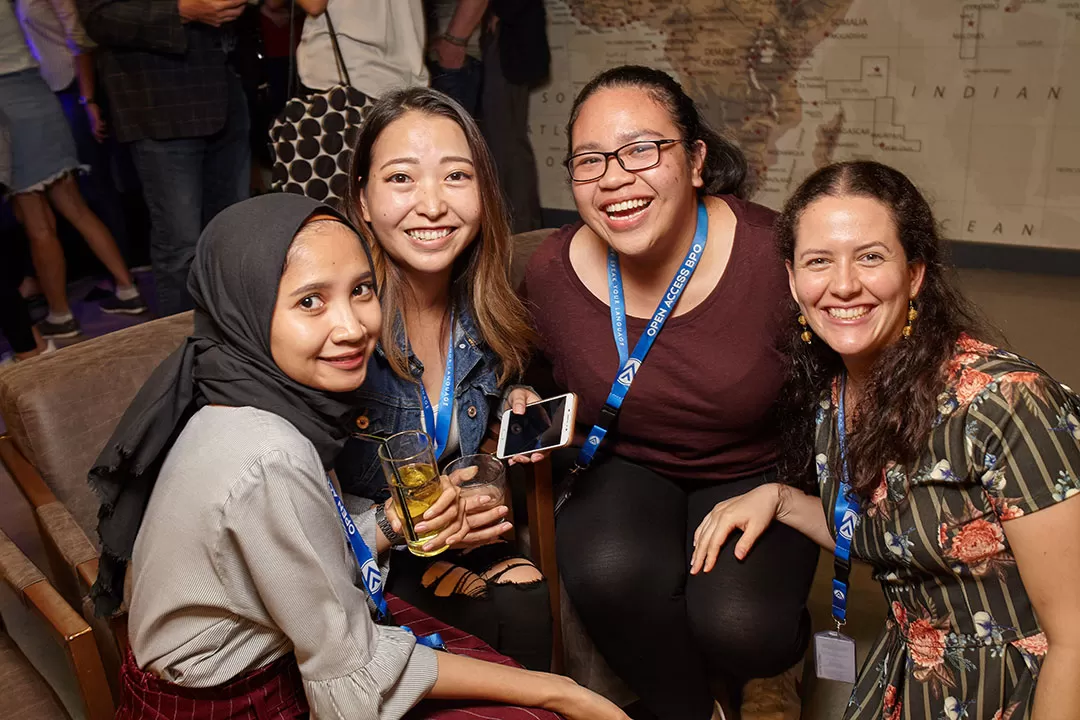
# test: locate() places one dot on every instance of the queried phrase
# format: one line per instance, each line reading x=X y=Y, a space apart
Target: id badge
x=834 y=656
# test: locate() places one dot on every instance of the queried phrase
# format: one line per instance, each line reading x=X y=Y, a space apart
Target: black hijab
x=226 y=361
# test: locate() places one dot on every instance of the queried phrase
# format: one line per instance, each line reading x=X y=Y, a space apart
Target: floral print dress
x=961 y=641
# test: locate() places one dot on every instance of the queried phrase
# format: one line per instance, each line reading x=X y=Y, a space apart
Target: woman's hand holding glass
x=449 y=515
x=481 y=479
x=516 y=400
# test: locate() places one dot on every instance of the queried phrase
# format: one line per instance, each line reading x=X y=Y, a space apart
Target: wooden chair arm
x=87 y=573
x=51 y=517
x=541 y=515
x=25 y=475
x=72 y=631
x=541 y=512
x=66 y=626
x=74 y=574
x=541 y=507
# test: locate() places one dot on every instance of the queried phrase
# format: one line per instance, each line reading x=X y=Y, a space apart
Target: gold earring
x=912 y=313
x=806 y=335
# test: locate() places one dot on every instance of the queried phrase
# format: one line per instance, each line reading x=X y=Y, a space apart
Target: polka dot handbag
x=311 y=140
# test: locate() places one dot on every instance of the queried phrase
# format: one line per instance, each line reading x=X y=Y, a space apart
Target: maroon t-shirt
x=702 y=405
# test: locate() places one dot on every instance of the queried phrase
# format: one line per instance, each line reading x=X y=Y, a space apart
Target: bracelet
x=87 y=101
x=455 y=40
x=383 y=522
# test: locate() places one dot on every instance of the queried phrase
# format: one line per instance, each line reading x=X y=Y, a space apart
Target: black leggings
x=625 y=538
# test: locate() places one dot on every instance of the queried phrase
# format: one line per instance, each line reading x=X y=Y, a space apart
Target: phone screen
x=540 y=427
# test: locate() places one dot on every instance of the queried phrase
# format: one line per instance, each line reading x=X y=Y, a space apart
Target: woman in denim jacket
x=425 y=192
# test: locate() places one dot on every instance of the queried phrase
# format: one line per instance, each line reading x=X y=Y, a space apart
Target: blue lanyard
x=439 y=429
x=845 y=520
x=629 y=363
x=370 y=573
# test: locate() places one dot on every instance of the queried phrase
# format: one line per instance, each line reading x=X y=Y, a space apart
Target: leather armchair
x=60 y=410
x=25 y=692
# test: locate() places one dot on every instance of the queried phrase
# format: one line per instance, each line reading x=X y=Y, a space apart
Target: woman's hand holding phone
x=516 y=400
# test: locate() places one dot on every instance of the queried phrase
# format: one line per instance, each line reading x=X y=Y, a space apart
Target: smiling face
x=421 y=197
x=327 y=317
x=851 y=277
x=634 y=212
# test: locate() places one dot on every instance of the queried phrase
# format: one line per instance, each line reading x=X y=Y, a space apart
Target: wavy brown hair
x=899 y=404
x=481 y=274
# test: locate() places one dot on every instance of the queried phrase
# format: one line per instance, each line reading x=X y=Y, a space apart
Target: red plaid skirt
x=276 y=692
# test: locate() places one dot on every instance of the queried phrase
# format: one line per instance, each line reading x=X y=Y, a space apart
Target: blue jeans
x=187 y=181
x=462 y=84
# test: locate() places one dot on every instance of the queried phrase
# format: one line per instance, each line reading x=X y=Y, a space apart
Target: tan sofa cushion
x=61 y=408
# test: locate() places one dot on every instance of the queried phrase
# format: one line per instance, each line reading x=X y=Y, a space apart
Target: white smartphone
x=546 y=425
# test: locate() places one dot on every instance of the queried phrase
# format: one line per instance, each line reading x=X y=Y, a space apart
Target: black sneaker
x=115 y=305
x=67 y=329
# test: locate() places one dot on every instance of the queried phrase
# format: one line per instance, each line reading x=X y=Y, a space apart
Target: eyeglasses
x=633 y=157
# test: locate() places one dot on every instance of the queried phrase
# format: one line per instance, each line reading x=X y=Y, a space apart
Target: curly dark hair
x=899 y=403
x=725 y=165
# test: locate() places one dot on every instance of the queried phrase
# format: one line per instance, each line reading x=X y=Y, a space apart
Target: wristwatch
x=388 y=531
x=87 y=101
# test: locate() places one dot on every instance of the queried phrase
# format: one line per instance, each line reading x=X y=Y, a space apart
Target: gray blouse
x=241 y=558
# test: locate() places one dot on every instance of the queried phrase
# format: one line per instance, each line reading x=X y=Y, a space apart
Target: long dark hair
x=481 y=279
x=725 y=165
x=899 y=403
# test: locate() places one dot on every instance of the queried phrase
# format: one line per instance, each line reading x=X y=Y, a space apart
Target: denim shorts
x=42 y=149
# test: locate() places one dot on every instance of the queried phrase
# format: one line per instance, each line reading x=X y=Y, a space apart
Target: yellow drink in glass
x=409 y=465
x=419 y=490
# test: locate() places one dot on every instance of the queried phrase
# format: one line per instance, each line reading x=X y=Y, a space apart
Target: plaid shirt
x=165 y=79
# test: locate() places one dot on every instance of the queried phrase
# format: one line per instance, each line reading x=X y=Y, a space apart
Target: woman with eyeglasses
x=664 y=310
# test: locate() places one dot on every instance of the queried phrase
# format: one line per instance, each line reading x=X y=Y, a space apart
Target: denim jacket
x=388 y=404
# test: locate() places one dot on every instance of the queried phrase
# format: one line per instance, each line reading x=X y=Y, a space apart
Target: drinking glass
x=408 y=460
x=488 y=477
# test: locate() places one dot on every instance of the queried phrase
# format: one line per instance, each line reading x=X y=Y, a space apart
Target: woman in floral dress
x=963 y=460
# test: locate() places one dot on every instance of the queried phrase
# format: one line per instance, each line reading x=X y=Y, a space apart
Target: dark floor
x=84 y=294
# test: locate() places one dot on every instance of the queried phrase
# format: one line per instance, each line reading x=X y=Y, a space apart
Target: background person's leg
x=15 y=322
x=623 y=561
x=99 y=187
x=227 y=162
x=33 y=211
x=68 y=200
x=171 y=172
x=504 y=118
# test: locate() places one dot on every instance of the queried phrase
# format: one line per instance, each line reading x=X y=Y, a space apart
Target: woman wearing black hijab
x=246 y=597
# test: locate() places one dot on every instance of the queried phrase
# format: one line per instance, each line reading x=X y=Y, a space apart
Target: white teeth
x=848 y=313
x=626 y=205
x=429 y=234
